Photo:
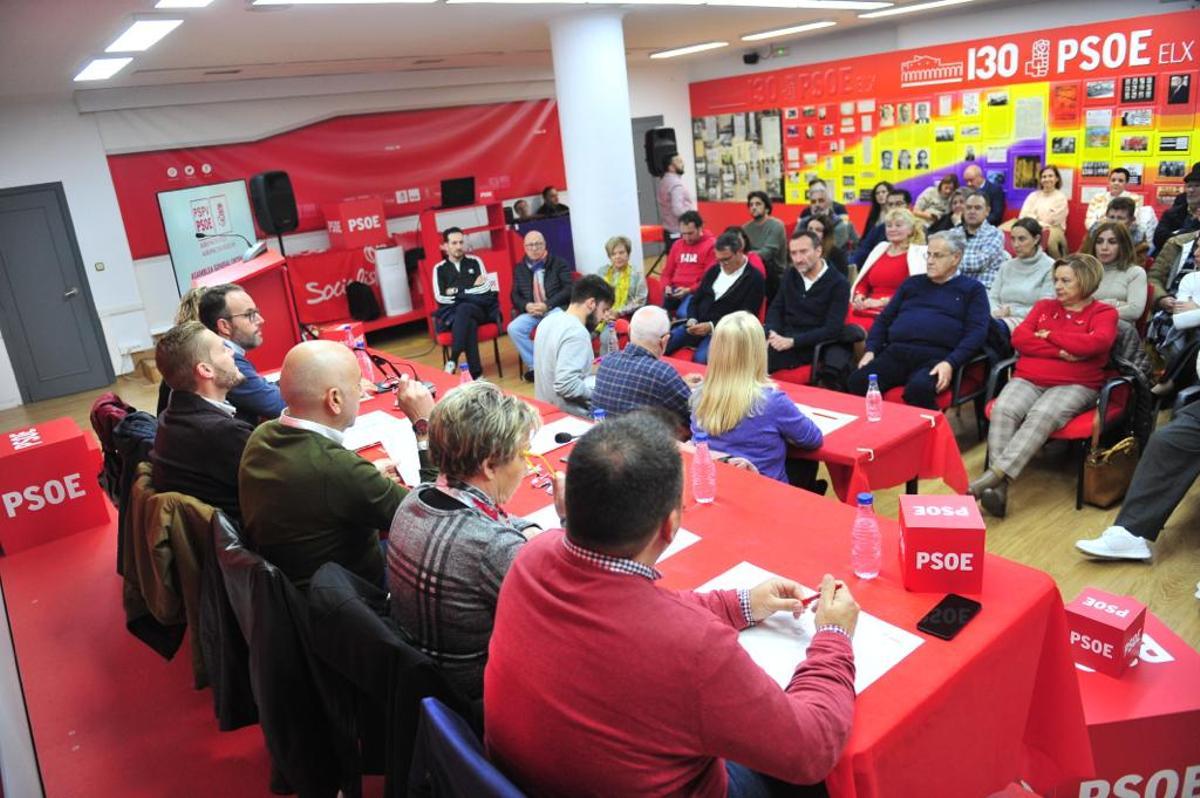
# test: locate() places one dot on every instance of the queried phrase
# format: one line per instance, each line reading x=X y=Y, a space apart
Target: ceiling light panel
x=779 y=33
x=338 y=2
x=891 y=12
x=170 y=4
x=688 y=50
x=841 y=5
x=102 y=68
x=142 y=35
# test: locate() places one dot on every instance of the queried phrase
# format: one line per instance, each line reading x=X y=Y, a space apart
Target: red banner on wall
x=511 y=149
x=1137 y=45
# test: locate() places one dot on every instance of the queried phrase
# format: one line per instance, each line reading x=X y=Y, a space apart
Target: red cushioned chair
x=1113 y=406
x=487 y=332
x=968 y=384
x=807 y=375
x=688 y=353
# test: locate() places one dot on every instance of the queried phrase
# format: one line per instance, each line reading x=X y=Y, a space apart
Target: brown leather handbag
x=1108 y=472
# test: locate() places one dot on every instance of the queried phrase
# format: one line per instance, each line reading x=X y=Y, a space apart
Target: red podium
x=265 y=279
x=48 y=484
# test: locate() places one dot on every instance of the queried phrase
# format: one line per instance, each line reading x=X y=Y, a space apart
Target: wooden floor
x=1039 y=531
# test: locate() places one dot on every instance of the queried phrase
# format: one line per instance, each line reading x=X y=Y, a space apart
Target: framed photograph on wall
x=1172 y=168
x=1137 y=90
x=1100 y=90
x=1174 y=143
x=1062 y=145
x=1179 y=89
x=1064 y=103
x=1139 y=142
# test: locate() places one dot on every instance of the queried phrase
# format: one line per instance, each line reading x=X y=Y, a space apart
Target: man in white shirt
x=674 y=197
x=562 y=353
x=1117 y=180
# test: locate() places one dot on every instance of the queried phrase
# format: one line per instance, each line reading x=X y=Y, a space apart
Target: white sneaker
x=1198 y=590
x=451 y=367
x=1116 y=543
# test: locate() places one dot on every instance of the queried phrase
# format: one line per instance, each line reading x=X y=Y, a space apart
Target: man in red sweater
x=600 y=683
x=688 y=261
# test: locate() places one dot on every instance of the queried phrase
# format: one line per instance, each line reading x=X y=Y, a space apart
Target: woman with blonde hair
x=628 y=285
x=451 y=543
x=743 y=412
x=890 y=263
x=1124 y=283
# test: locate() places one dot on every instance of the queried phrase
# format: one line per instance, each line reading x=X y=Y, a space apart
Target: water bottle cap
x=598 y=414
x=700 y=436
x=463 y=366
x=873 y=377
x=866 y=499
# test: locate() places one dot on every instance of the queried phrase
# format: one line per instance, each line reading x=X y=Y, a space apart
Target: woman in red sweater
x=1064 y=346
x=890 y=263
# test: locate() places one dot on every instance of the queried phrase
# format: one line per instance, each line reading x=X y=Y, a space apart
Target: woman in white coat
x=890 y=263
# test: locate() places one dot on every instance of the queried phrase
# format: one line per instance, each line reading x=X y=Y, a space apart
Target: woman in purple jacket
x=743 y=412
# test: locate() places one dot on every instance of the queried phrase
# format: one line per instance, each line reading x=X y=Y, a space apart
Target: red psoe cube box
x=941 y=544
x=356 y=224
x=1105 y=630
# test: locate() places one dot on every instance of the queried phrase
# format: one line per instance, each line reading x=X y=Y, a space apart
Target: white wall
x=663 y=89
x=53 y=142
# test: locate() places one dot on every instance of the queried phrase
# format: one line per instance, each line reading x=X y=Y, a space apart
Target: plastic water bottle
x=598 y=414
x=866 y=546
x=608 y=339
x=464 y=374
x=365 y=366
x=874 y=399
x=704 y=472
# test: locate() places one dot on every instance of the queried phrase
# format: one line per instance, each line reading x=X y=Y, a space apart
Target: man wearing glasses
x=229 y=311
x=541 y=284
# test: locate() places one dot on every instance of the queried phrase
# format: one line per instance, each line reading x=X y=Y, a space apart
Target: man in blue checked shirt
x=985 y=244
x=636 y=377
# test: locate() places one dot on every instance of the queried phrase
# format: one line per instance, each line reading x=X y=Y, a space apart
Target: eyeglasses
x=938 y=255
x=539 y=478
x=536 y=245
x=250 y=315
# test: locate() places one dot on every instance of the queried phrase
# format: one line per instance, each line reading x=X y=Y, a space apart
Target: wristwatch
x=420 y=427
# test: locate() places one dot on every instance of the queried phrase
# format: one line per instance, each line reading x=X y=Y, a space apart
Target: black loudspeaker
x=274 y=203
x=660 y=145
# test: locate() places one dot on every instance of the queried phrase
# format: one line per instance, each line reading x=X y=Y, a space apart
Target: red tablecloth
x=861 y=456
x=960 y=718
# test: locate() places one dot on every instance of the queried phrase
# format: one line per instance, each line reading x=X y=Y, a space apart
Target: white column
x=597 y=137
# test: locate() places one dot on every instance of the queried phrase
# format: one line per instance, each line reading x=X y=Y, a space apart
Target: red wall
x=510 y=149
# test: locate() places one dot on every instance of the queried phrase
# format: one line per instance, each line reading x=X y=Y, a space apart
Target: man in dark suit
x=199 y=442
x=541 y=285
x=810 y=308
x=973 y=177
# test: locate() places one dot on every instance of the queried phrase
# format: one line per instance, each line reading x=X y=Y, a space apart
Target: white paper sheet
x=543 y=440
x=394 y=434
x=826 y=420
x=780 y=642
x=547 y=518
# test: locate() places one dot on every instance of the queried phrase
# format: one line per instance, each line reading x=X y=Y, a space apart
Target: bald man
x=635 y=377
x=541 y=285
x=306 y=499
x=973 y=177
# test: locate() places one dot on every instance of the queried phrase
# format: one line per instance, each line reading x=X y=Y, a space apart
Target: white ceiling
x=43 y=43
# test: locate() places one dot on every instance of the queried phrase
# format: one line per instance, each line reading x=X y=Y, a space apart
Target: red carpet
x=110 y=717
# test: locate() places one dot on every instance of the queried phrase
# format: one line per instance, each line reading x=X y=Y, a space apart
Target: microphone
x=252 y=250
x=565 y=437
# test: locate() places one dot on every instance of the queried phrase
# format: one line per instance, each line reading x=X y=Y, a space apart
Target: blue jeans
x=680 y=338
x=520 y=330
x=747 y=783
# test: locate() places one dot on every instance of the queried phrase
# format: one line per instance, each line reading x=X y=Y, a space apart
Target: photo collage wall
x=1086 y=99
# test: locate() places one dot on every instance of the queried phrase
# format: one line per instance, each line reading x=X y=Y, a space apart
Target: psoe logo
x=24 y=438
x=1038 y=65
x=929 y=70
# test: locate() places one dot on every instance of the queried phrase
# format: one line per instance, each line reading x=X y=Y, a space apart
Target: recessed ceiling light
x=182 y=3
x=336 y=2
x=781 y=32
x=691 y=48
x=519 y=2
x=102 y=68
x=891 y=12
x=842 y=5
x=142 y=35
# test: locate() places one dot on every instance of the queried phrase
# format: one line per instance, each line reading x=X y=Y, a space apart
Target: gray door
x=646 y=183
x=47 y=318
